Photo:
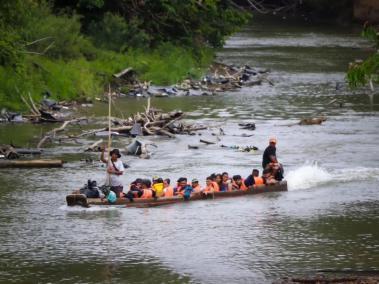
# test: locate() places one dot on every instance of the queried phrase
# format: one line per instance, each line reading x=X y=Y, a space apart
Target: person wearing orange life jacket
x=147 y=192
x=211 y=186
x=238 y=183
x=215 y=180
x=196 y=186
x=168 y=190
x=254 y=179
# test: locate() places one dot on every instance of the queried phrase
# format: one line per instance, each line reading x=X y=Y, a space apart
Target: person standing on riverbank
x=115 y=169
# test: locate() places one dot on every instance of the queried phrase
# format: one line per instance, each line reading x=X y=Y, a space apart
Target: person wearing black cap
x=115 y=170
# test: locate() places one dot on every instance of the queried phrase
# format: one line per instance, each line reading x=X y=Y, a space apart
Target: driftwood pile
x=220 y=78
x=155 y=122
x=150 y=122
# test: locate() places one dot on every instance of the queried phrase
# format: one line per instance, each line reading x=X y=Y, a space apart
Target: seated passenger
x=257 y=179
x=254 y=179
x=135 y=190
x=276 y=170
x=218 y=180
x=183 y=188
x=196 y=186
x=147 y=191
x=238 y=183
x=268 y=177
x=213 y=178
x=168 y=190
x=226 y=184
x=158 y=186
x=211 y=187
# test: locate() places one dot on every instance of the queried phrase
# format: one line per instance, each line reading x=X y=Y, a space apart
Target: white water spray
x=312 y=175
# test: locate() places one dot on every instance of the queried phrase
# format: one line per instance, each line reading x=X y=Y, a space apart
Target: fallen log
x=31 y=164
x=94 y=147
x=207 y=142
x=51 y=134
x=25 y=151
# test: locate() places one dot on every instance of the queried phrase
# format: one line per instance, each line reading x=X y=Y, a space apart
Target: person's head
x=218 y=178
x=146 y=183
x=115 y=154
x=154 y=179
x=225 y=176
x=195 y=182
x=255 y=173
x=157 y=180
x=166 y=182
x=213 y=177
x=137 y=184
x=237 y=179
x=182 y=181
x=272 y=141
x=209 y=180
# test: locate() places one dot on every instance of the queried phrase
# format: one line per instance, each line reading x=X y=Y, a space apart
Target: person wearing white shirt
x=115 y=169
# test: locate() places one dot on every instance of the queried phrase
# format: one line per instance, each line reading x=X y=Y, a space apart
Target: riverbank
x=81 y=79
x=72 y=50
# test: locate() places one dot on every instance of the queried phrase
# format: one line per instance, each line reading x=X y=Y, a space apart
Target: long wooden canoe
x=80 y=199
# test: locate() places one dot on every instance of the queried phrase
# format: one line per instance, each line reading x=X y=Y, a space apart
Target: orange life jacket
x=258 y=181
x=147 y=193
x=240 y=187
x=169 y=191
x=209 y=188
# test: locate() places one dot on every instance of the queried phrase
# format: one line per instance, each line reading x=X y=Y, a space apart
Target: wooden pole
x=109 y=133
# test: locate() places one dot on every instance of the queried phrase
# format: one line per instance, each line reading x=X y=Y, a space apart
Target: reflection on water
x=326 y=221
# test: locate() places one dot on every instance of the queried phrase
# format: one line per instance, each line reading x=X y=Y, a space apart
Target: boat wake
x=311 y=175
x=90 y=209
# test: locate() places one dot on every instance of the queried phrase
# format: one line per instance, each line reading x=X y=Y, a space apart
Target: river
x=327 y=222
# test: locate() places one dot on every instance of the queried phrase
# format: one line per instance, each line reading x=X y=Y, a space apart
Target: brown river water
x=327 y=222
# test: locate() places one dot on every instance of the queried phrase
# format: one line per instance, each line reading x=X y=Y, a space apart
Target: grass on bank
x=82 y=78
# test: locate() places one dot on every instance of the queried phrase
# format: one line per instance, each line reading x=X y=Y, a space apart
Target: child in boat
x=158 y=186
x=268 y=177
x=183 y=188
x=196 y=186
x=147 y=191
x=226 y=184
x=238 y=183
x=168 y=190
x=115 y=169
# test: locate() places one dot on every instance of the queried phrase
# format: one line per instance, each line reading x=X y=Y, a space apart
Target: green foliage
x=115 y=33
x=74 y=53
x=362 y=72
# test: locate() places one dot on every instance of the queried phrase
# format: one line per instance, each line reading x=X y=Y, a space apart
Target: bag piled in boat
x=91 y=190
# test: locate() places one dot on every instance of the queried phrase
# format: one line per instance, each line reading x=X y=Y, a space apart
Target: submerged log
x=312 y=121
x=25 y=151
x=31 y=164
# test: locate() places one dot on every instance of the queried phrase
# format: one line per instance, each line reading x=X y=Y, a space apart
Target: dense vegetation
x=363 y=72
x=71 y=47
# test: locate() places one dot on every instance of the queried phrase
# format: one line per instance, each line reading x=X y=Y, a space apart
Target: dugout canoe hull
x=81 y=200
